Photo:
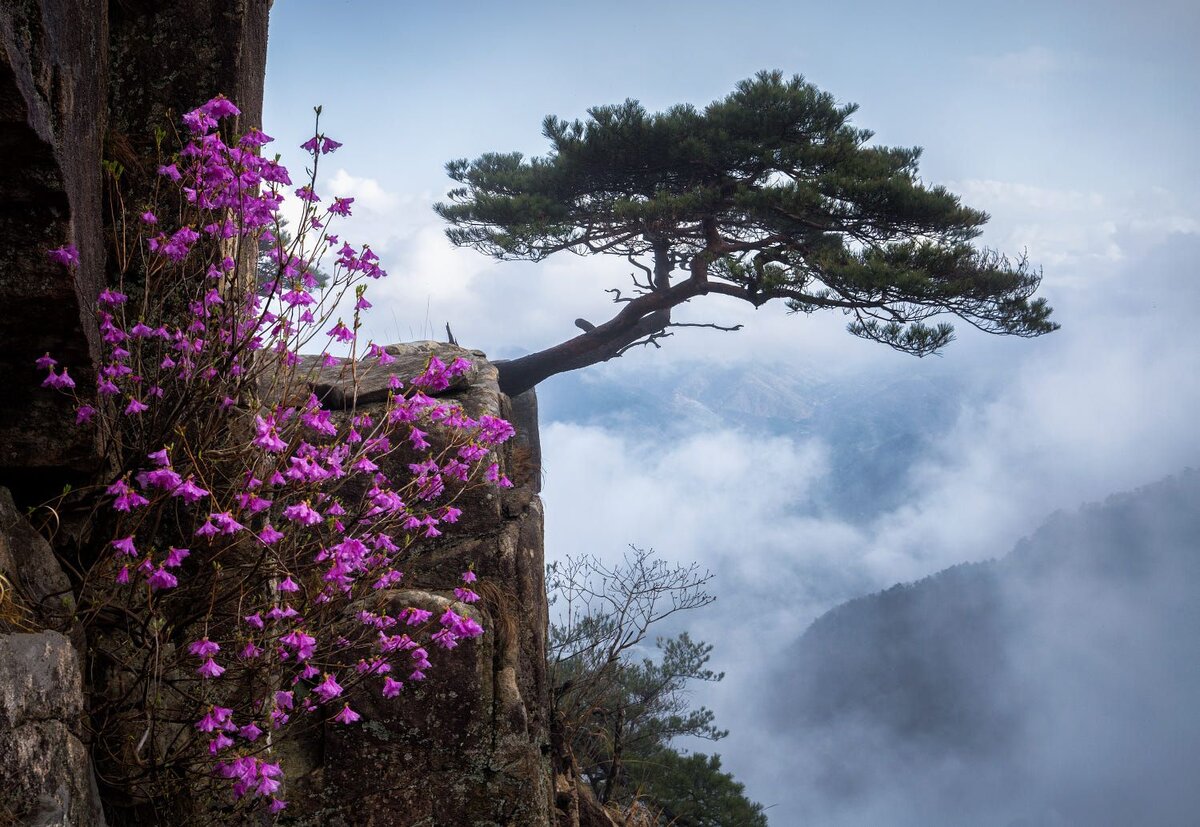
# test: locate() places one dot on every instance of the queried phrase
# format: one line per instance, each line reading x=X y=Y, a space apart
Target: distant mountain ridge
x=1056 y=685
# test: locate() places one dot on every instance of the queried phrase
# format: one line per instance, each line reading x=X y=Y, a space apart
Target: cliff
x=81 y=86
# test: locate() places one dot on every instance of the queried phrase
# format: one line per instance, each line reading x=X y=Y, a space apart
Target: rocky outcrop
x=52 y=115
x=38 y=587
x=80 y=83
x=82 y=86
x=45 y=772
x=469 y=745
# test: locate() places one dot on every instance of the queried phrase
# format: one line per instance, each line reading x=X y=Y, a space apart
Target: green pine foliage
x=615 y=714
x=692 y=791
x=768 y=194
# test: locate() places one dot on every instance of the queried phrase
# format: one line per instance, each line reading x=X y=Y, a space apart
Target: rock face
x=52 y=116
x=39 y=587
x=45 y=771
x=82 y=82
x=469 y=745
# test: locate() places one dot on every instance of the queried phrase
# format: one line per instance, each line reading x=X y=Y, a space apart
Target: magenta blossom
x=203 y=648
x=347 y=715
x=125 y=546
x=66 y=255
x=162 y=579
x=328 y=689
x=210 y=669
x=60 y=381
x=302 y=513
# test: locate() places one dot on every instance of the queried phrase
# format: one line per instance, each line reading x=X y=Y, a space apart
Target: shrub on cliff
x=254 y=536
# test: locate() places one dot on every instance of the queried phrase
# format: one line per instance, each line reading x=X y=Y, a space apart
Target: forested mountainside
x=1053 y=686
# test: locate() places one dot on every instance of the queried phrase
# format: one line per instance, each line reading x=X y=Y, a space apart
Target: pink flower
x=135 y=406
x=266 y=436
x=391 y=687
x=288 y=585
x=328 y=689
x=210 y=669
x=468 y=628
x=250 y=731
x=218 y=718
x=254 y=620
x=159 y=457
x=255 y=137
x=203 y=648
x=220 y=107
x=126 y=498
x=302 y=513
x=162 y=579
x=189 y=491
x=66 y=255
x=45 y=362
x=347 y=715
x=149 y=217
x=84 y=414
x=269 y=535
x=160 y=478
x=59 y=381
x=328 y=145
x=466 y=595
x=125 y=546
x=304 y=644
x=340 y=332
x=469 y=577
x=224 y=520
x=175 y=556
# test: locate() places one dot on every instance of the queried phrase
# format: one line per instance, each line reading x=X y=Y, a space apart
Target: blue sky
x=1073 y=124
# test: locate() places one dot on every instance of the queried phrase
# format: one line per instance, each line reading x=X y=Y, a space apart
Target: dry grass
x=14 y=616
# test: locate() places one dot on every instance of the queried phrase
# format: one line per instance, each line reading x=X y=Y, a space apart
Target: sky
x=1073 y=125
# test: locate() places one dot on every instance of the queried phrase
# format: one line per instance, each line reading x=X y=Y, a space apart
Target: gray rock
x=45 y=770
x=335 y=385
x=29 y=565
x=469 y=745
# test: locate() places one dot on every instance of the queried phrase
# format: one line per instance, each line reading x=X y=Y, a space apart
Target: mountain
x=1055 y=686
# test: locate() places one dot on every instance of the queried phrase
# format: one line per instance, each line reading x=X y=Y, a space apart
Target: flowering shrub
x=256 y=536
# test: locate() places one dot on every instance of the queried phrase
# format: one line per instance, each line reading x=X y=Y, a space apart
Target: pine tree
x=769 y=194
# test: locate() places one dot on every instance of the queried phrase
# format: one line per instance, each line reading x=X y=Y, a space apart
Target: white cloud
x=1077 y=236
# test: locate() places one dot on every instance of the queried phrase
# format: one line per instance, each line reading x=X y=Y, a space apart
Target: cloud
x=1102 y=405
x=1078 y=236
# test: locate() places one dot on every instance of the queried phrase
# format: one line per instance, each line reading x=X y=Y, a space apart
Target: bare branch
x=711 y=325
